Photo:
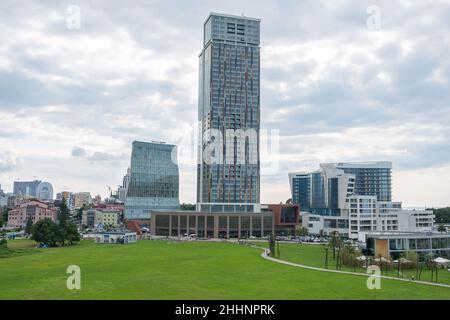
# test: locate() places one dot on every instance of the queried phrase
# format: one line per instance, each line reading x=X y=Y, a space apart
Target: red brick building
x=286 y=217
x=33 y=209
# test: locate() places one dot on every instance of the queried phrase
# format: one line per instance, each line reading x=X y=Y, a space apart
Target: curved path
x=266 y=256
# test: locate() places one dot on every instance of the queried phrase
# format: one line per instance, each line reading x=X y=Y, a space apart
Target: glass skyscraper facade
x=371 y=178
x=229 y=110
x=301 y=190
x=154 y=180
x=26 y=188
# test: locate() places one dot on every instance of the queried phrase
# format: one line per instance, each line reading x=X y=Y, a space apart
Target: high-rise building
x=82 y=199
x=323 y=191
x=371 y=178
x=228 y=178
x=154 y=180
x=26 y=188
x=35 y=189
x=122 y=190
x=68 y=197
x=44 y=191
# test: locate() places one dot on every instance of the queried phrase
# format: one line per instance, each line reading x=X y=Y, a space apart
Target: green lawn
x=175 y=270
x=314 y=255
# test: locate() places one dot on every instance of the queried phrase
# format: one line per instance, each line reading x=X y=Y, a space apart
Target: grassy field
x=314 y=255
x=176 y=270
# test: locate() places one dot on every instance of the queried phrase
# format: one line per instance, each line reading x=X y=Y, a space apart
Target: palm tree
x=334 y=242
x=430 y=264
x=272 y=245
x=326 y=256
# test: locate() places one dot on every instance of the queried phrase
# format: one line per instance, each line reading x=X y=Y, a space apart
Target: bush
x=412 y=257
x=3 y=243
x=349 y=256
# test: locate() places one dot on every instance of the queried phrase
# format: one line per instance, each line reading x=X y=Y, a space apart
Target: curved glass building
x=154 y=180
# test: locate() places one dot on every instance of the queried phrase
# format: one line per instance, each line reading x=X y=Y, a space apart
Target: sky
x=340 y=81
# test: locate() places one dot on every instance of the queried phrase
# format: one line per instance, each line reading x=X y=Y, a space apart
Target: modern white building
x=324 y=225
x=117 y=237
x=323 y=191
x=372 y=178
x=366 y=214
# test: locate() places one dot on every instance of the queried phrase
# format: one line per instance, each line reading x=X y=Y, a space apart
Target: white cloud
x=72 y=101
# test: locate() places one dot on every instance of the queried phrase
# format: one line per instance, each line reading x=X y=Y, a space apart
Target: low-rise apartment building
x=95 y=217
x=34 y=210
x=82 y=199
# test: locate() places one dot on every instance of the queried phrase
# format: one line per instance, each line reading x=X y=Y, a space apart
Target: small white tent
x=441 y=261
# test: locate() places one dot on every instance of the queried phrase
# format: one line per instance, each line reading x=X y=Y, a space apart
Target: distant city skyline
x=73 y=99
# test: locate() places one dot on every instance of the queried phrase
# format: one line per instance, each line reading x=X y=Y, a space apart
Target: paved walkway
x=266 y=256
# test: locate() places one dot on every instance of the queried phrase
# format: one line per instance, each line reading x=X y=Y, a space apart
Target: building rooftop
x=362 y=164
x=396 y=234
x=243 y=17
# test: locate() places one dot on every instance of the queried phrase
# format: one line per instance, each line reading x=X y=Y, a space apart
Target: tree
x=29 y=226
x=334 y=242
x=289 y=201
x=272 y=244
x=47 y=232
x=442 y=228
x=5 y=215
x=63 y=215
x=326 y=256
x=63 y=220
x=72 y=234
x=442 y=215
x=301 y=232
x=1 y=221
x=79 y=215
x=187 y=206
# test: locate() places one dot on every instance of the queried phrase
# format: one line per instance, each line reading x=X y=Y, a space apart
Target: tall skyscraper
x=26 y=188
x=371 y=178
x=228 y=172
x=39 y=189
x=154 y=180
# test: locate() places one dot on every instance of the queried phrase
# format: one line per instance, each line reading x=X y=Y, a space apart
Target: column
x=216 y=226
x=262 y=226
x=187 y=225
x=170 y=225
x=239 y=226
x=196 y=225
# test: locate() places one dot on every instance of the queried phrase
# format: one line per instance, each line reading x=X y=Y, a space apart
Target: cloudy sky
x=337 y=86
